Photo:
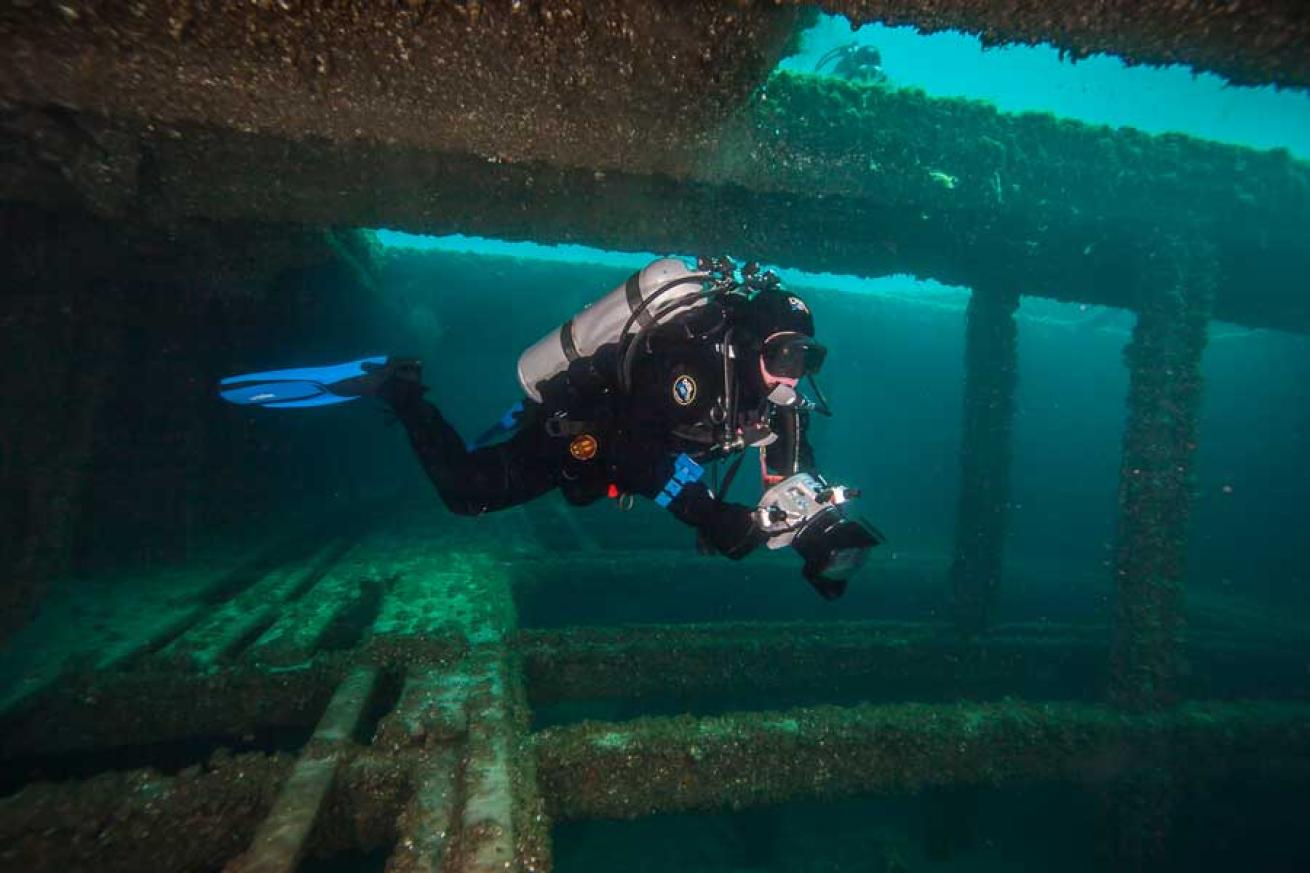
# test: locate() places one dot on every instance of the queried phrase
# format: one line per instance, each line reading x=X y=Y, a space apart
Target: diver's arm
x=728 y=527
x=724 y=527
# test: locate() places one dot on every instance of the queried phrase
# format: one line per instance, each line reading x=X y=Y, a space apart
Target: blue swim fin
x=299 y=387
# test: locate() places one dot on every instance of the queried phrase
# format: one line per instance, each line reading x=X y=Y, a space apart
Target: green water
x=179 y=483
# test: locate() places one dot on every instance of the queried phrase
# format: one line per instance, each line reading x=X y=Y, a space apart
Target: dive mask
x=787 y=356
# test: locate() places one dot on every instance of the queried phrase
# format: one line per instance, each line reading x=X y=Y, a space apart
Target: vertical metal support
x=1137 y=818
x=991 y=373
x=82 y=358
x=1155 y=480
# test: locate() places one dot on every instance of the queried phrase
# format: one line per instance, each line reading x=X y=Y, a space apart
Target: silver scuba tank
x=603 y=321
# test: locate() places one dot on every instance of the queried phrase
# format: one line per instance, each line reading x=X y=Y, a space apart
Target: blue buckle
x=510 y=418
x=685 y=472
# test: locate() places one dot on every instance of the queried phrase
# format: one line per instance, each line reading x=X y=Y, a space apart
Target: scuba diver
x=673 y=370
x=859 y=63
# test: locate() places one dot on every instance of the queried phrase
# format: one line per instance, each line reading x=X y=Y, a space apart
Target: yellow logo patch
x=584 y=447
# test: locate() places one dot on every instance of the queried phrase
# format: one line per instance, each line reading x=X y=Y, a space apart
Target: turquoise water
x=1097 y=90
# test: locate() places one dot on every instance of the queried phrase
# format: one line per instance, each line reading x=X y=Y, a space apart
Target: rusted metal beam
x=488 y=819
x=596 y=84
x=195 y=820
x=226 y=629
x=867 y=660
x=796 y=661
x=892 y=182
x=638 y=768
x=427 y=826
x=202 y=817
x=430 y=722
x=306 y=625
x=432 y=710
x=142 y=820
x=281 y=840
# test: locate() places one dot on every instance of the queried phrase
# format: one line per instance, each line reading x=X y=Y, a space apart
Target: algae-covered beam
x=141 y=820
x=500 y=823
x=201 y=817
x=632 y=769
x=431 y=717
x=281 y=840
x=583 y=83
x=1155 y=476
x=1254 y=42
x=801 y=663
x=814 y=173
x=121 y=709
x=843 y=661
x=982 y=509
x=197 y=819
x=426 y=826
x=745 y=663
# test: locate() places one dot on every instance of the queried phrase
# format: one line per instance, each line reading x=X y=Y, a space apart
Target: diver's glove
x=806 y=513
x=731 y=532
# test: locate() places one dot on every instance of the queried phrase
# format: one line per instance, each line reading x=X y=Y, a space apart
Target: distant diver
x=859 y=63
x=674 y=369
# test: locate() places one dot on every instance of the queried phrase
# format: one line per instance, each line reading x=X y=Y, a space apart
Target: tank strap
x=559 y=425
x=696 y=433
x=566 y=341
x=632 y=289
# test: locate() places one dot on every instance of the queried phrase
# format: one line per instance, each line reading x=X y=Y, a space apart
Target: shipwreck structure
x=372 y=685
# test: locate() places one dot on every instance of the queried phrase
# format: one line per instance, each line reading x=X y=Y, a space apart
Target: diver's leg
x=483 y=480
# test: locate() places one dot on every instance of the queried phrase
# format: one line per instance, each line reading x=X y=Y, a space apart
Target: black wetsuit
x=675 y=405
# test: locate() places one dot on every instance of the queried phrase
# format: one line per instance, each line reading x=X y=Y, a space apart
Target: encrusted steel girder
x=632 y=769
x=863 y=660
x=742 y=662
x=440 y=119
x=440 y=765
x=594 y=84
x=991 y=372
x=280 y=842
x=1250 y=43
x=1155 y=477
x=408 y=795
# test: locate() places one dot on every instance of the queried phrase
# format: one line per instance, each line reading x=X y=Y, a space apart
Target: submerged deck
x=409 y=686
x=374 y=688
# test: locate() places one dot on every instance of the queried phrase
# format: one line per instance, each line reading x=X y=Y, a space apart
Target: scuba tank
x=649 y=297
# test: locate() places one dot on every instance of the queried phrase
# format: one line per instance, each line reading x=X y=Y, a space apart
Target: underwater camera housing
x=809 y=515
